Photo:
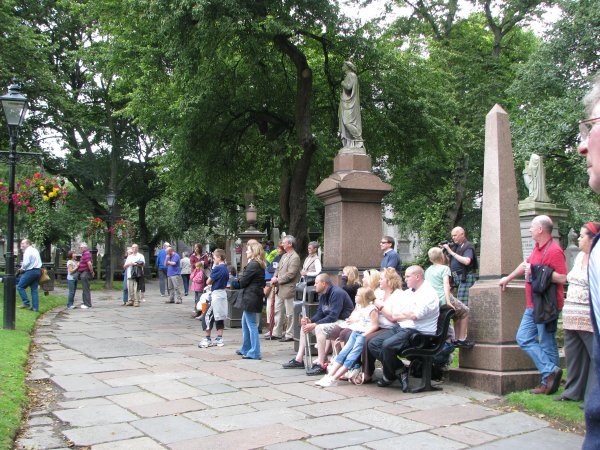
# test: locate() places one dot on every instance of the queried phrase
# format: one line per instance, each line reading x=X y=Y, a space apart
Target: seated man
x=416 y=312
x=335 y=306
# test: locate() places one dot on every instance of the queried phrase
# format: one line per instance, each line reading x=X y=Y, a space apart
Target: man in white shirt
x=420 y=317
x=135 y=259
x=30 y=272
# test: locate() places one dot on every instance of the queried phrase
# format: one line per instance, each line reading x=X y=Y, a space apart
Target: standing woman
x=186 y=270
x=252 y=283
x=577 y=325
x=72 y=276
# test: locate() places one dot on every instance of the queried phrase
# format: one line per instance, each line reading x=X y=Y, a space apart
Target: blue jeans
x=538 y=344
x=72 y=285
x=186 y=283
x=250 y=340
x=29 y=279
x=125 y=290
x=352 y=350
x=162 y=280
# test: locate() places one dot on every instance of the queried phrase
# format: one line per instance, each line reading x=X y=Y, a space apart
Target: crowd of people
x=374 y=318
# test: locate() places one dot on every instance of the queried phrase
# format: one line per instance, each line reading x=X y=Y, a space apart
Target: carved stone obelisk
x=496 y=363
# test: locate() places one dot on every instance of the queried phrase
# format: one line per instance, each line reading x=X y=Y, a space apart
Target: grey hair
x=592 y=98
x=314 y=244
x=545 y=222
x=291 y=239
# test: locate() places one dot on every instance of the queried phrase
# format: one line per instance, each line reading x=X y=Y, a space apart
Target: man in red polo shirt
x=535 y=339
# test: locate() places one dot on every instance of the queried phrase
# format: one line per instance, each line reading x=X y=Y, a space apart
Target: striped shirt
x=86 y=259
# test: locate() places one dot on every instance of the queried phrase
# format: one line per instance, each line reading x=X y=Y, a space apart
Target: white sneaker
x=328 y=381
x=219 y=341
x=320 y=380
x=205 y=343
x=84 y=307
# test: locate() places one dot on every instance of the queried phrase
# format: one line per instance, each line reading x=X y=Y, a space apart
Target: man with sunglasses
x=390 y=257
x=589 y=148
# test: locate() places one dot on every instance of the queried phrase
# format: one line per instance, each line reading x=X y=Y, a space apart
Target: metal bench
x=426 y=347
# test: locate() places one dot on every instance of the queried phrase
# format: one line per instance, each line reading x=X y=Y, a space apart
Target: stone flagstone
x=180 y=397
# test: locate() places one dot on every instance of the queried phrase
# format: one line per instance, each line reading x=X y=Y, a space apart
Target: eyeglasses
x=585 y=128
x=384 y=242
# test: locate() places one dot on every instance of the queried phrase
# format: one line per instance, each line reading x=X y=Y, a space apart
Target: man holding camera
x=463 y=263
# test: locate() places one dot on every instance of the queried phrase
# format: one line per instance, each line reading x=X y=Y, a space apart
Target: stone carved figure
x=349 y=111
x=534 y=175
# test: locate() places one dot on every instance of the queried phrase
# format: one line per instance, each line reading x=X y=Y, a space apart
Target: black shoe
x=384 y=382
x=316 y=369
x=287 y=339
x=272 y=338
x=466 y=343
x=237 y=352
x=404 y=380
x=249 y=357
x=293 y=364
x=553 y=381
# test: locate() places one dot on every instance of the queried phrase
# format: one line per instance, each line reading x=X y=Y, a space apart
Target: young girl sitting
x=363 y=321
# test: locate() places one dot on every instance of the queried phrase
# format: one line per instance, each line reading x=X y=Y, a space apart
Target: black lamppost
x=14 y=105
x=111 y=197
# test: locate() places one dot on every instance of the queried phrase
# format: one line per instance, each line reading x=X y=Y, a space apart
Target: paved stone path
x=134 y=378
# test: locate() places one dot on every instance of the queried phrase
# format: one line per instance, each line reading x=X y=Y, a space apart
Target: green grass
x=98 y=285
x=543 y=404
x=14 y=351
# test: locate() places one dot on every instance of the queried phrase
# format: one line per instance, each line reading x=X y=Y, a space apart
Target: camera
x=446 y=242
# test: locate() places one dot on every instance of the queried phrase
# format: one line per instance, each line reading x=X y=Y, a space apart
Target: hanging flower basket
x=96 y=229
x=34 y=192
x=123 y=230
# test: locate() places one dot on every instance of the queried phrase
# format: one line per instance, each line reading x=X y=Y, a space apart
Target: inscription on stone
x=332 y=234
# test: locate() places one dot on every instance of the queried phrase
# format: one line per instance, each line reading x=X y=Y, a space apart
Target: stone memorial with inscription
x=537 y=202
x=352 y=194
x=496 y=363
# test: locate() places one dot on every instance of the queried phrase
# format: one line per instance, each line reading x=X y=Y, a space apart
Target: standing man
x=174 y=281
x=285 y=279
x=133 y=287
x=335 y=306
x=416 y=311
x=390 y=257
x=30 y=272
x=463 y=263
x=590 y=149
x=161 y=267
x=86 y=275
x=539 y=340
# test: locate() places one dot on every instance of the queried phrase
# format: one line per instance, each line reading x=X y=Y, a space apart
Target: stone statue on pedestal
x=349 y=112
x=534 y=175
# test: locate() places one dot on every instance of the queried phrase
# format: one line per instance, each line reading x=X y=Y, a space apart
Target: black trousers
x=386 y=346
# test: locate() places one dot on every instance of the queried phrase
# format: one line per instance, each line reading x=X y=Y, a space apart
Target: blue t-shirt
x=220 y=276
x=176 y=269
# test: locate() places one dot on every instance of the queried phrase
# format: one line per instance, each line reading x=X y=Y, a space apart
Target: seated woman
x=350 y=281
x=363 y=321
x=438 y=275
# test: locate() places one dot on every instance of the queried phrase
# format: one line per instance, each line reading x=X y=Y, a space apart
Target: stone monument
x=352 y=194
x=496 y=363
x=572 y=249
x=537 y=203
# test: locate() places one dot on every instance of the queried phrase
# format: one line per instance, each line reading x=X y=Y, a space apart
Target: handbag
x=44 y=277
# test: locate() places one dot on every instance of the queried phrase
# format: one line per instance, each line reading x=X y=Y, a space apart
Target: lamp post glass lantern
x=111 y=198
x=14 y=105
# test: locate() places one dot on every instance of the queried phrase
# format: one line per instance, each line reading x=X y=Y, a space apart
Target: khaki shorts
x=327 y=328
x=461 y=310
